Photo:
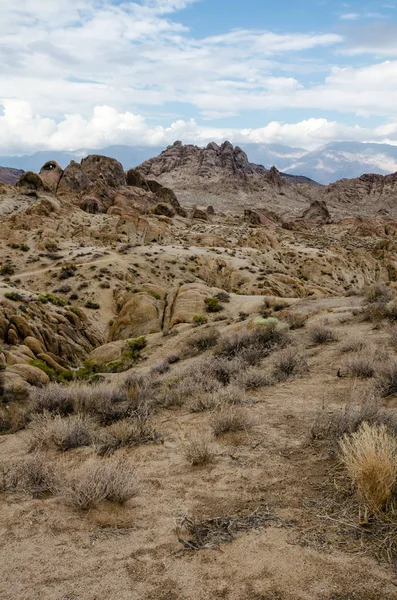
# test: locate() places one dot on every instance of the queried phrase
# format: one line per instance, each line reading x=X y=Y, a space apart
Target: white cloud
x=23 y=131
x=349 y=17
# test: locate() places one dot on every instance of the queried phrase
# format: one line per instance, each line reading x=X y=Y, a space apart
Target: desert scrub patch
x=322 y=334
x=199 y=320
x=45 y=298
x=67 y=271
x=135 y=347
x=92 y=305
x=363 y=364
x=295 y=320
x=198 y=450
x=369 y=456
x=13 y=418
x=204 y=340
x=386 y=381
x=97 y=481
x=126 y=433
x=7 y=269
x=332 y=426
x=62 y=433
x=251 y=345
x=377 y=292
x=213 y=305
x=230 y=420
x=33 y=474
x=14 y=296
x=252 y=378
x=288 y=363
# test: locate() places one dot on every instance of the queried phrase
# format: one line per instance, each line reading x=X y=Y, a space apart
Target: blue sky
x=90 y=73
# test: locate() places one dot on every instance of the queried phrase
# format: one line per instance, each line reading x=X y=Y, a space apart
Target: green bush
x=213 y=305
x=91 y=304
x=42 y=365
x=7 y=269
x=45 y=298
x=135 y=347
x=15 y=296
x=199 y=320
x=24 y=248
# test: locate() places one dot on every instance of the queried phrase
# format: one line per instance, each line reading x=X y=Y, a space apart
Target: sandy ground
x=50 y=552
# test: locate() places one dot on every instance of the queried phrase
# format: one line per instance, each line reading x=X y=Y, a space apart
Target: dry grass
x=204 y=340
x=386 y=382
x=364 y=364
x=252 y=345
x=33 y=474
x=353 y=345
x=98 y=481
x=289 y=362
x=333 y=426
x=370 y=458
x=252 y=379
x=230 y=419
x=322 y=334
x=198 y=450
x=127 y=432
x=295 y=320
x=377 y=292
x=62 y=433
x=13 y=418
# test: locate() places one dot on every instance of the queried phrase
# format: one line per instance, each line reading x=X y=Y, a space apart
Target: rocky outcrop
x=317 y=213
x=140 y=314
x=74 y=180
x=103 y=168
x=51 y=174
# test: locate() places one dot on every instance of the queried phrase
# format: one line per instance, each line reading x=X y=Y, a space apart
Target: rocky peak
x=207 y=163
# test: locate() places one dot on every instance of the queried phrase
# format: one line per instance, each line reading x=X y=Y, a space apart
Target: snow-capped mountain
x=345 y=160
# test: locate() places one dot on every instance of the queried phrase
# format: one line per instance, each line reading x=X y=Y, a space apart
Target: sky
x=93 y=73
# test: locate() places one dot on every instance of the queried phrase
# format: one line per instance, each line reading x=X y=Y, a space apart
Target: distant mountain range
x=327 y=164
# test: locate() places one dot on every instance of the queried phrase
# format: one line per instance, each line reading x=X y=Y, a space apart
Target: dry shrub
x=160 y=368
x=370 y=458
x=53 y=398
x=377 y=292
x=33 y=475
x=253 y=345
x=252 y=379
x=98 y=481
x=63 y=433
x=295 y=320
x=289 y=362
x=231 y=395
x=332 y=426
x=230 y=419
x=127 y=432
x=191 y=381
x=362 y=364
x=198 y=450
x=203 y=403
x=322 y=334
x=13 y=418
x=204 y=340
x=353 y=345
x=375 y=313
x=386 y=381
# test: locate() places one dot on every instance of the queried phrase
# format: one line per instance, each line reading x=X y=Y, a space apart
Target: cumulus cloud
x=21 y=130
x=90 y=73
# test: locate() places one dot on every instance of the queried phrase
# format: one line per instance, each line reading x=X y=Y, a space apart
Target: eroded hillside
x=205 y=356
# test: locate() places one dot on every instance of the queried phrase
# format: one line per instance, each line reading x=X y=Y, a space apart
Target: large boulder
x=51 y=174
x=109 y=170
x=140 y=314
x=74 y=180
x=317 y=213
